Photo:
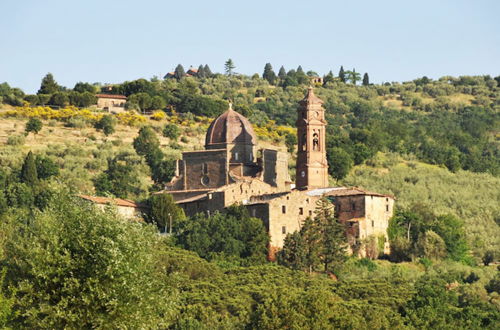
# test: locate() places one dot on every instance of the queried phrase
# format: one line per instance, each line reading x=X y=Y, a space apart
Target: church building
x=232 y=170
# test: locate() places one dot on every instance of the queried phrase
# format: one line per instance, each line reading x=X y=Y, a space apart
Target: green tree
x=282 y=73
x=29 y=174
x=60 y=99
x=171 y=131
x=179 y=72
x=164 y=212
x=342 y=76
x=311 y=237
x=119 y=179
x=333 y=240
x=353 y=76
x=293 y=253
x=232 y=234
x=451 y=230
x=142 y=100
x=157 y=103
x=146 y=142
x=45 y=167
x=103 y=271
x=366 y=79
x=340 y=163
x=107 y=124
x=269 y=74
x=201 y=72
x=229 y=67
x=82 y=87
x=328 y=78
x=48 y=85
x=431 y=245
x=33 y=125
x=488 y=257
x=208 y=72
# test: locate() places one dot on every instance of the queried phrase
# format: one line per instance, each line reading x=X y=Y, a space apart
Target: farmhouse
x=126 y=208
x=111 y=102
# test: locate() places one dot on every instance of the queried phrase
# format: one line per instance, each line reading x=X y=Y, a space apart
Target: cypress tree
x=342 y=74
x=179 y=72
x=328 y=78
x=366 y=80
x=208 y=72
x=269 y=74
x=300 y=70
x=28 y=172
x=282 y=73
x=332 y=236
x=201 y=72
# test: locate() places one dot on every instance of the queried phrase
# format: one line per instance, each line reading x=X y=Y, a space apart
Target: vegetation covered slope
x=473 y=197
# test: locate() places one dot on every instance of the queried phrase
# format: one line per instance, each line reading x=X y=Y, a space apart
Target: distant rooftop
x=111 y=201
x=111 y=96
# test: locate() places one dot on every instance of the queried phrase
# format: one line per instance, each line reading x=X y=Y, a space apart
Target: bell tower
x=312 y=167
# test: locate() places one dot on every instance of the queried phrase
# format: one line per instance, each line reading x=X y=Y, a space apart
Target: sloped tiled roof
x=111 y=96
x=111 y=201
x=344 y=191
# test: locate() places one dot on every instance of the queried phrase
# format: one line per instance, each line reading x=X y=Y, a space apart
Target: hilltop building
x=111 y=102
x=232 y=170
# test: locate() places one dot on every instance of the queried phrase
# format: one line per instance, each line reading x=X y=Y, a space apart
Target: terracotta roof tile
x=230 y=127
x=111 y=201
x=111 y=96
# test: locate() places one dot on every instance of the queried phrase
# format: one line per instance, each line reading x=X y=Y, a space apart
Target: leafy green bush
x=16 y=140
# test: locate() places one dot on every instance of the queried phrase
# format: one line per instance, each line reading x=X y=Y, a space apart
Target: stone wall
x=111 y=105
x=275 y=169
x=205 y=169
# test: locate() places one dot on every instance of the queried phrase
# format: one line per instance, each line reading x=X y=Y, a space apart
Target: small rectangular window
x=310 y=212
x=353 y=206
x=387 y=208
x=283 y=230
x=373 y=223
x=283 y=209
x=301 y=210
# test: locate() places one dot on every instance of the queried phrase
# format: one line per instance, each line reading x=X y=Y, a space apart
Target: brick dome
x=230 y=127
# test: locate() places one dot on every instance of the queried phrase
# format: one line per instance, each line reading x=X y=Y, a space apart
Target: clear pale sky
x=113 y=41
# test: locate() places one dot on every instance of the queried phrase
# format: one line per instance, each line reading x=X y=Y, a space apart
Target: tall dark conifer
x=179 y=72
x=342 y=74
x=29 y=174
x=269 y=74
x=366 y=80
x=282 y=73
x=201 y=72
x=328 y=78
x=208 y=72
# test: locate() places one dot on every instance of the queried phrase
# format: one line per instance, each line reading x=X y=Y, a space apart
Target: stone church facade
x=231 y=170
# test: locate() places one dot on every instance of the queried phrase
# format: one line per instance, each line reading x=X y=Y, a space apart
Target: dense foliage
x=72 y=266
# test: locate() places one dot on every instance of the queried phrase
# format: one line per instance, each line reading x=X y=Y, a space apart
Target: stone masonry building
x=231 y=170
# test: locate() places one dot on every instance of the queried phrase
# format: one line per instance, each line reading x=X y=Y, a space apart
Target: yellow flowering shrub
x=158 y=115
x=44 y=112
x=130 y=118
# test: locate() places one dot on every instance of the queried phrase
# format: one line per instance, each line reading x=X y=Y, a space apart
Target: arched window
x=315 y=142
